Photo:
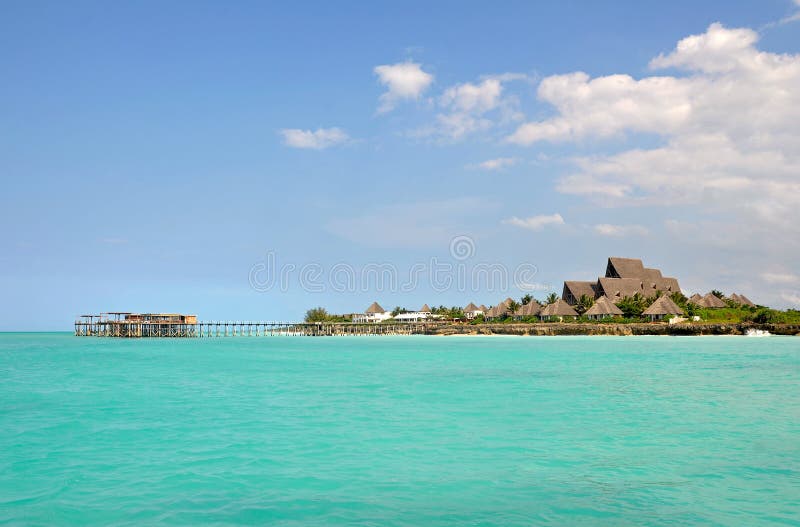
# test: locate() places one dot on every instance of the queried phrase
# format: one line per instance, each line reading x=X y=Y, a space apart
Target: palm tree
x=525 y=300
x=512 y=307
x=551 y=298
x=584 y=303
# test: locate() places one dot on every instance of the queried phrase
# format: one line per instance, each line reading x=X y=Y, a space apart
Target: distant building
x=624 y=277
x=558 y=310
x=662 y=307
x=603 y=308
x=374 y=313
x=471 y=311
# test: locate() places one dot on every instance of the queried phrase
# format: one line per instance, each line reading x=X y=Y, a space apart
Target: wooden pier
x=130 y=325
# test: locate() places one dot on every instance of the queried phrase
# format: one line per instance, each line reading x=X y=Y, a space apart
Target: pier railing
x=139 y=329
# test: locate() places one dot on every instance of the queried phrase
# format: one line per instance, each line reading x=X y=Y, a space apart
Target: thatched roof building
x=558 y=309
x=712 y=301
x=471 y=308
x=624 y=277
x=424 y=309
x=575 y=289
x=741 y=300
x=603 y=308
x=531 y=309
x=375 y=308
x=696 y=299
x=661 y=307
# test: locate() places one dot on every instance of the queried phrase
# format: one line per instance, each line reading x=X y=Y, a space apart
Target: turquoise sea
x=417 y=431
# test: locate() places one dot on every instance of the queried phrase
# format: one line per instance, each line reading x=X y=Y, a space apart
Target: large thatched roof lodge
x=624 y=277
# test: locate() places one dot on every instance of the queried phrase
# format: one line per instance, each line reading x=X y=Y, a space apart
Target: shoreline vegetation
x=734 y=318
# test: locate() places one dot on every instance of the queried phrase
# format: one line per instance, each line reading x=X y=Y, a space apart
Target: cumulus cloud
x=606 y=229
x=792 y=298
x=781 y=278
x=471 y=107
x=496 y=164
x=318 y=139
x=403 y=81
x=535 y=223
x=729 y=148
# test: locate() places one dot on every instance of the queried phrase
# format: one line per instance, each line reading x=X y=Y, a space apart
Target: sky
x=250 y=160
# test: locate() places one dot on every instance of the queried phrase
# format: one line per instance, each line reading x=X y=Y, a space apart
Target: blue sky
x=154 y=156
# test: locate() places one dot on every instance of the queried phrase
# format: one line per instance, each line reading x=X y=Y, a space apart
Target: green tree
x=551 y=298
x=512 y=308
x=525 y=300
x=317 y=314
x=584 y=303
x=717 y=293
x=397 y=310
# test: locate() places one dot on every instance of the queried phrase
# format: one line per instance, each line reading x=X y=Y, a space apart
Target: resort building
x=741 y=300
x=531 y=309
x=374 y=313
x=710 y=301
x=471 y=311
x=424 y=313
x=558 y=310
x=501 y=310
x=624 y=277
x=662 y=307
x=603 y=308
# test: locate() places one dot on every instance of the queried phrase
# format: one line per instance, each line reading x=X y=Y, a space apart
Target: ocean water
x=418 y=431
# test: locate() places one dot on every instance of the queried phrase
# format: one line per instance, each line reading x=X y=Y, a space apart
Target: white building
x=374 y=313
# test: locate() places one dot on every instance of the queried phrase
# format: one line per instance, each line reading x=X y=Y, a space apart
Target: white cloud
x=535 y=223
x=477 y=98
x=728 y=152
x=496 y=164
x=318 y=139
x=403 y=81
x=470 y=107
x=781 y=278
x=606 y=229
x=792 y=298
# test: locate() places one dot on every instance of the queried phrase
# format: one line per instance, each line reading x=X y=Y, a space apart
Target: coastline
x=589 y=329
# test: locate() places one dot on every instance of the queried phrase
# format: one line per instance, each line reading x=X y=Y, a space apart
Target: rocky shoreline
x=567 y=328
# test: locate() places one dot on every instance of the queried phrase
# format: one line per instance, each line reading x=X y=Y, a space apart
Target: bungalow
x=471 y=311
x=662 y=307
x=531 y=309
x=557 y=311
x=603 y=308
x=374 y=313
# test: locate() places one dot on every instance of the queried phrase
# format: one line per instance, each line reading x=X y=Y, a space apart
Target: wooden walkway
x=123 y=329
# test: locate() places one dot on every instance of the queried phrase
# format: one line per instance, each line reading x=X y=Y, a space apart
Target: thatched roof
x=375 y=308
x=558 y=309
x=696 y=299
x=577 y=288
x=651 y=274
x=530 y=309
x=424 y=309
x=483 y=308
x=507 y=301
x=624 y=268
x=663 y=306
x=616 y=288
x=604 y=306
x=501 y=309
x=712 y=301
x=741 y=299
x=471 y=308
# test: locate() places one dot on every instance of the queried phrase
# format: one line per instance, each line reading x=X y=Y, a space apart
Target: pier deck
x=97 y=327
